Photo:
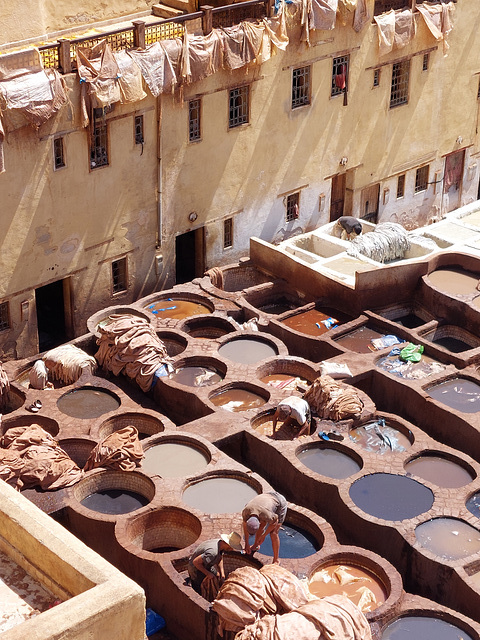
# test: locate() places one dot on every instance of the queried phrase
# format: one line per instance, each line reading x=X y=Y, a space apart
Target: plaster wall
x=251 y=168
x=74 y=221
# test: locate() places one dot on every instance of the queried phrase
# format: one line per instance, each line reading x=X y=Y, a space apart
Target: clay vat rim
x=30 y=418
x=338 y=446
x=123 y=528
x=287 y=360
x=398 y=425
x=243 y=385
x=444 y=616
x=98 y=430
x=74 y=502
x=444 y=455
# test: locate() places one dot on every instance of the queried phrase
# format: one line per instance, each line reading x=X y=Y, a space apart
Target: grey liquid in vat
x=380 y=437
x=196 y=376
x=247 y=350
x=219 y=495
x=114 y=501
x=391 y=497
x=460 y=394
x=423 y=628
x=173 y=460
x=439 y=470
x=328 y=462
x=87 y=403
x=294 y=543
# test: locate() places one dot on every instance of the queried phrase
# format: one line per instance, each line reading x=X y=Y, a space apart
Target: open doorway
x=369 y=203
x=189 y=256
x=337 y=201
x=53 y=314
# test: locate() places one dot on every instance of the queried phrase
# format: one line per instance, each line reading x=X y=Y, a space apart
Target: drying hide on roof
x=156 y=67
x=395 y=30
x=388 y=241
x=322 y=14
x=334 y=617
x=332 y=400
x=203 y=57
x=238 y=46
x=438 y=18
x=120 y=450
x=99 y=78
x=130 y=80
x=31 y=457
x=129 y=345
x=67 y=362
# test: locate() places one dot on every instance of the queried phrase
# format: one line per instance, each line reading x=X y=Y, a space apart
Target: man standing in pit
x=206 y=562
x=263 y=516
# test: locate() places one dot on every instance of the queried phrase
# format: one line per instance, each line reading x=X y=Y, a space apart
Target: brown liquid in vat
x=360 y=340
x=311 y=322
x=87 y=403
x=247 y=350
x=449 y=538
x=285 y=381
x=350 y=581
x=237 y=400
x=173 y=460
x=454 y=281
x=195 y=376
x=440 y=471
x=177 y=309
x=460 y=394
x=219 y=495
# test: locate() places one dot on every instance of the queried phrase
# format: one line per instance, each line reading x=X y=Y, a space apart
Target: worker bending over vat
x=263 y=516
x=206 y=562
x=293 y=409
x=348 y=227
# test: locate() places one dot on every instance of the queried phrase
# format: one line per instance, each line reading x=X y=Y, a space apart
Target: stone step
x=162 y=11
x=183 y=6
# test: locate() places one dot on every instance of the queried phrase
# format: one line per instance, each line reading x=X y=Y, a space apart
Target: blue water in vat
x=294 y=543
x=423 y=628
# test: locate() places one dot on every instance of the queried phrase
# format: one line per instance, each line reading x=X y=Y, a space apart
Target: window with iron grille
x=292 y=204
x=400 y=82
x=238 y=107
x=4 y=316
x=421 y=179
x=119 y=275
x=228 y=233
x=340 y=75
x=401 y=186
x=138 y=131
x=58 y=153
x=300 y=87
x=376 y=77
x=194 y=123
x=99 y=140
x=386 y=5
x=426 y=61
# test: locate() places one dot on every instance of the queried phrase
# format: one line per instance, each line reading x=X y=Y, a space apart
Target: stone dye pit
x=394 y=497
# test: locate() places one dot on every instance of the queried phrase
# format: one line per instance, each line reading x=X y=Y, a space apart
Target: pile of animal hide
x=272 y=604
x=67 y=363
x=4 y=389
x=332 y=400
x=29 y=457
x=388 y=241
x=120 y=450
x=129 y=345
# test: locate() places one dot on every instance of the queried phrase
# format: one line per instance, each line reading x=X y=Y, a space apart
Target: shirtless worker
x=293 y=409
x=206 y=561
x=263 y=516
x=348 y=227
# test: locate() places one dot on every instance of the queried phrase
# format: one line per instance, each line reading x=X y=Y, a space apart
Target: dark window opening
x=228 y=233
x=58 y=153
x=119 y=275
x=300 y=87
x=400 y=82
x=421 y=179
x=139 y=139
x=238 y=111
x=376 y=77
x=194 y=130
x=426 y=61
x=401 y=186
x=99 y=140
x=293 y=211
x=381 y=6
x=4 y=316
x=340 y=75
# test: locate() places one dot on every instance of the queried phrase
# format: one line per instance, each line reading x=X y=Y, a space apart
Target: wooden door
x=337 y=202
x=369 y=203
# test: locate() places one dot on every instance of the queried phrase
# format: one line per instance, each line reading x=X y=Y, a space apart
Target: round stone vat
x=208 y=328
x=382 y=436
x=103 y=317
x=454 y=339
x=79 y=449
x=427 y=366
x=87 y=403
x=224 y=493
x=175 y=457
x=391 y=497
x=239 y=397
x=409 y=316
x=330 y=460
x=15 y=397
x=263 y=424
x=424 y=627
x=460 y=394
x=114 y=493
x=348 y=576
x=299 y=537
x=454 y=281
x=315 y=322
x=146 y=424
x=49 y=424
x=174 y=342
x=440 y=469
x=178 y=307
x=198 y=371
x=360 y=340
x=237 y=278
x=162 y=530
x=248 y=350
x=448 y=538
x=287 y=373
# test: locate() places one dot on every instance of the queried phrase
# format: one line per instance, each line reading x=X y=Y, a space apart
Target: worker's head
x=233 y=540
x=283 y=412
x=253 y=524
x=357 y=228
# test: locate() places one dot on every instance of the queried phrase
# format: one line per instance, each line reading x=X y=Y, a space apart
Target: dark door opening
x=369 y=203
x=189 y=262
x=338 y=196
x=51 y=324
